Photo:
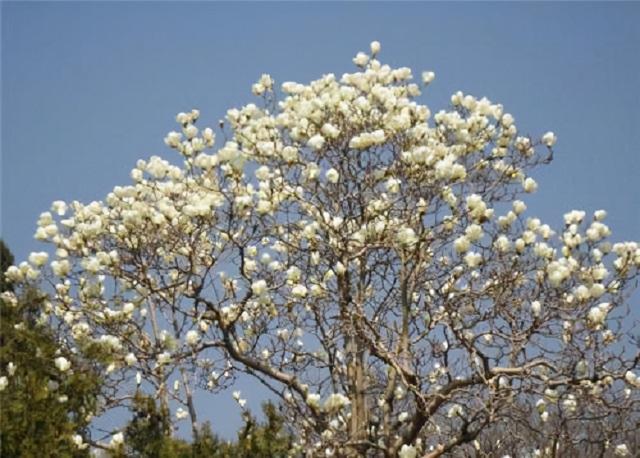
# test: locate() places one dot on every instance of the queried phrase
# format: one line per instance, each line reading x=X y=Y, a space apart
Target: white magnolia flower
x=299 y=291
x=181 y=413
x=208 y=136
x=329 y=130
x=549 y=139
x=632 y=379
x=192 y=337
x=130 y=359
x=59 y=207
x=262 y=173
x=598 y=314
x=551 y=394
x=375 y=47
x=117 y=440
x=316 y=142
x=599 y=215
x=4 y=382
x=622 y=450
x=61 y=268
x=190 y=131
x=574 y=217
x=173 y=139
x=406 y=236
x=570 y=403
x=62 y=363
x=361 y=59
x=536 y=308
x=558 y=272
x=474 y=232
x=335 y=402
x=313 y=400
x=461 y=244
x=393 y=185
x=455 y=410
x=38 y=259
x=407 y=451
x=502 y=244
x=332 y=175
x=164 y=358
x=428 y=77
x=259 y=287
x=290 y=154
x=529 y=185
x=473 y=259
x=519 y=207
x=78 y=441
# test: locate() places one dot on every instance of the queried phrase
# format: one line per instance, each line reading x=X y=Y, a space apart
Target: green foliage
x=40 y=409
x=148 y=436
x=269 y=439
x=148 y=433
x=6 y=260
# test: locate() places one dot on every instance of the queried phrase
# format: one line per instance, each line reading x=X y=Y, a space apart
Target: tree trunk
x=356 y=374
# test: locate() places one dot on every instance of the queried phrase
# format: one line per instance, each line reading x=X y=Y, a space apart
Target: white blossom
x=335 y=402
x=461 y=244
x=313 y=400
x=38 y=259
x=316 y=142
x=299 y=291
x=598 y=314
x=130 y=359
x=549 y=139
x=117 y=440
x=407 y=451
x=621 y=450
x=536 y=308
x=62 y=364
x=375 y=47
x=428 y=77
x=529 y=185
x=192 y=337
x=473 y=260
x=259 y=287
x=361 y=59
x=406 y=236
x=332 y=175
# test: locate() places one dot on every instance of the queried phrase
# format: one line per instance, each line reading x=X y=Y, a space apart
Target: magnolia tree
x=367 y=261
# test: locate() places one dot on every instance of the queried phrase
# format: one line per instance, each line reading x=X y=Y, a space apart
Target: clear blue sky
x=89 y=88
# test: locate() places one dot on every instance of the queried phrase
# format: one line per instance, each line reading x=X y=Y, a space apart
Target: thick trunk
x=359 y=423
x=162 y=392
x=356 y=373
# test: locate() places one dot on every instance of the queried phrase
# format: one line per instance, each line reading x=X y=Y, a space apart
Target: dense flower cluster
x=344 y=240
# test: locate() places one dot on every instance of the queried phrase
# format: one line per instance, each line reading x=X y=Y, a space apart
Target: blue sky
x=89 y=88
